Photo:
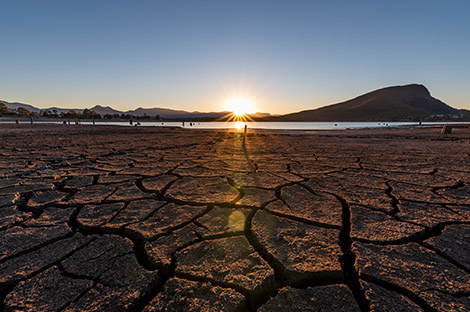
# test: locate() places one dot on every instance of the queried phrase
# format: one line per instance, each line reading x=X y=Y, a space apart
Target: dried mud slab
x=168 y=217
x=311 y=169
x=34 y=185
x=351 y=184
x=220 y=221
x=258 y=179
x=91 y=194
x=198 y=171
x=17 y=240
x=427 y=214
x=463 y=210
x=6 y=182
x=98 y=215
x=426 y=180
x=119 y=281
x=127 y=192
x=454 y=242
x=383 y=300
x=416 y=269
x=372 y=198
x=202 y=190
x=50 y=216
x=370 y=225
x=10 y=215
x=256 y=197
x=48 y=291
x=9 y=200
x=323 y=298
x=162 y=249
x=457 y=195
x=116 y=178
x=156 y=184
x=78 y=182
x=303 y=249
x=446 y=302
x=299 y=202
x=135 y=212
x=183 y=295
x=28 y=264
x=230 y=261
x=416 y=193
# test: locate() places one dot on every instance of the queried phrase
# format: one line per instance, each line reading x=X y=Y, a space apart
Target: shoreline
x=274 y=126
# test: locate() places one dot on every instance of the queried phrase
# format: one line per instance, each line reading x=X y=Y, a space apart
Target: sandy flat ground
x=103 y=218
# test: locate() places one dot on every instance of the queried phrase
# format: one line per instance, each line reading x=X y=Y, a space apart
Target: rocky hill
x=398 y=103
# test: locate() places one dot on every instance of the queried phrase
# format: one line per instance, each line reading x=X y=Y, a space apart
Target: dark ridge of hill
x=104 y=110
x=173 y=113
x=16 y=105
x=163 y=112
x=398 y=103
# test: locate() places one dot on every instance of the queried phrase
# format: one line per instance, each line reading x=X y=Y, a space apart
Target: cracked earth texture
x=160 y=219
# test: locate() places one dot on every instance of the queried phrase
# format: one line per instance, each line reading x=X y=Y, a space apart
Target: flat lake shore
x=108 y=218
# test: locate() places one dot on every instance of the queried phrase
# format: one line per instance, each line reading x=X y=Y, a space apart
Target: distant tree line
x=71 y=114
x=5 y=111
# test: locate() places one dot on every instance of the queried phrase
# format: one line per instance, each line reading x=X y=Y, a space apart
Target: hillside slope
x=399 y=103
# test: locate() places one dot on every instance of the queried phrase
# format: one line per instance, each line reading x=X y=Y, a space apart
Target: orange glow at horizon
x=240 y=106
x=238 y=109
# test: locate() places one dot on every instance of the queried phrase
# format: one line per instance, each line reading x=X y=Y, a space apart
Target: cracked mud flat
x=159 y=219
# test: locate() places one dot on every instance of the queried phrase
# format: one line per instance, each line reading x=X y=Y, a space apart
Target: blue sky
x=194 y=55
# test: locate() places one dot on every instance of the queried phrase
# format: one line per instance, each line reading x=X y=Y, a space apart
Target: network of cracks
x=103 y=218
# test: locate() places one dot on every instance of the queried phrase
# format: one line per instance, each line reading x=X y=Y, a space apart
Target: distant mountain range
x=398 y=103
x=104 y=110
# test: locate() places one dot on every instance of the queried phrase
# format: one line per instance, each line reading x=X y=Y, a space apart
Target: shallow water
x=259 y=125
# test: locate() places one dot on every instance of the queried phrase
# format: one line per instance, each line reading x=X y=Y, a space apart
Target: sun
x=240 y=106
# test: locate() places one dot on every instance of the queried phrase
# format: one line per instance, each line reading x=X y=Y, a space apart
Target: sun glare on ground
x=240 y=106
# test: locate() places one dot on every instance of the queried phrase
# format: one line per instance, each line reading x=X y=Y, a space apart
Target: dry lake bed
x=103 y=218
